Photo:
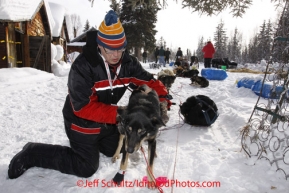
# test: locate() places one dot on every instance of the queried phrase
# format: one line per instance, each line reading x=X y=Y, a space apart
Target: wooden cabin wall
x=39 y=44
x=36 y=27
x=3 y=47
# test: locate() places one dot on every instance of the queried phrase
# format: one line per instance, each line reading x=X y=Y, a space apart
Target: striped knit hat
x=111 y=33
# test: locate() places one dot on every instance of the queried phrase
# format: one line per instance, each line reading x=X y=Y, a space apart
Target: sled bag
x=199 y=110
x=214 y=74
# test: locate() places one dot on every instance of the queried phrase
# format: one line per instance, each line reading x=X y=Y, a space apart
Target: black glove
x=167 y=97
x=133 y=86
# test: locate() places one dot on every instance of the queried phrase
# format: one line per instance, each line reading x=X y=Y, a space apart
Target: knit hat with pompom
x=111 y=33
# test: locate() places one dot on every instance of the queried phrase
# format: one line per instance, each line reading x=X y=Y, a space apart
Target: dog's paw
x=118 y=178
x=151 y=183
x=114 y=158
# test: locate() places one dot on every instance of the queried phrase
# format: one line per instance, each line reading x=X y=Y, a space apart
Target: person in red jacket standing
x=209 y=52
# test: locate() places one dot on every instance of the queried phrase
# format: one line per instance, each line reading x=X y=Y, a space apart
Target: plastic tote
x=214 y=74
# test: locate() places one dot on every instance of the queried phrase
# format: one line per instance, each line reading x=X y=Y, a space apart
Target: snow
x=18 y=10
x=76 y=44
x=58 y=13
x=31 y=111
x=49 y=15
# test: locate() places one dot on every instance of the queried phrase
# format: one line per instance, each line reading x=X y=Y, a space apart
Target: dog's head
x=167 y=80
x=178 y=70
x=138 y=127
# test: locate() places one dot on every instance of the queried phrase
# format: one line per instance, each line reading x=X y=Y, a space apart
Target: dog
x=199 y=110
x=199 y=81
x=139 y=122
x=178 y=71
x=167 y=77
x=154 y=65
x=182 y=72
x=190 y=73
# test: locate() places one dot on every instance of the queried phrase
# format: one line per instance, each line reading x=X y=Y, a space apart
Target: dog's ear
x=157 y=122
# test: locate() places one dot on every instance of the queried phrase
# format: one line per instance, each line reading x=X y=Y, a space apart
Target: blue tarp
x=214 y=74
x=256 y=85
x=246 y=82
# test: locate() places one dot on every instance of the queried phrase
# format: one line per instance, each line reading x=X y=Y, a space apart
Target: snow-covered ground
x=31 y=110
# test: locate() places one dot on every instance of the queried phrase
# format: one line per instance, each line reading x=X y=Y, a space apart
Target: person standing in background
x=156 y=54
x=209 y=52
x=179 y=54
x=162 y=56
x=167 y=56
x=144 y=56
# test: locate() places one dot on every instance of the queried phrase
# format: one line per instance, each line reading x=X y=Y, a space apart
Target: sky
x=211 y=156
x=182 y=28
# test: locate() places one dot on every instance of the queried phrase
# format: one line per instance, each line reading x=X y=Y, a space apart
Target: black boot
x=19 y=164
x=56 y=157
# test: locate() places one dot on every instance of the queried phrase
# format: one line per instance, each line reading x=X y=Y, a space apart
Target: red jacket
x=208 y=50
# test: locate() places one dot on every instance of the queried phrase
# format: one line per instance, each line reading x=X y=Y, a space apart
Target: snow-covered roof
x=76 y=44
x=76 y=39
x=58 y=13
x=49 y=15
x=19 y=10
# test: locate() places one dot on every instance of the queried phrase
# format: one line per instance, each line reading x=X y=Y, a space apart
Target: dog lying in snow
x=140 y=121
x=199 y=81
x=181 y=72
x=190 y=73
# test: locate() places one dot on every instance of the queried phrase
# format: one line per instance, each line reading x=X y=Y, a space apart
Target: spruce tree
x=261 y=45
x=269 y=39
x=139 y=25
x=86 y=26
x=253 y=50
x=245 y=55
x=280 y=44
x=220 y=40
x=199 y=52
x=234 y=46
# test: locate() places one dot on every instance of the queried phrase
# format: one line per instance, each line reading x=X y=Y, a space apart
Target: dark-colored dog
x=181 y=72
x=199 y=81
x=140 y=121
x=199 y=110
x=190 y=73
x=167 y=77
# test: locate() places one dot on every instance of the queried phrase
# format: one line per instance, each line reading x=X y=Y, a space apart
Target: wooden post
x=26 y=56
